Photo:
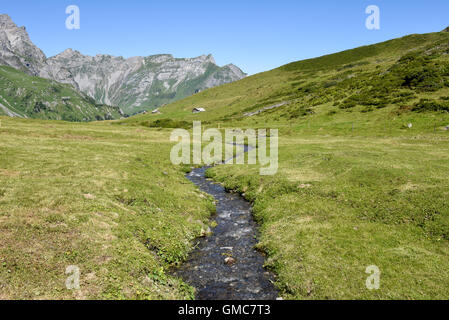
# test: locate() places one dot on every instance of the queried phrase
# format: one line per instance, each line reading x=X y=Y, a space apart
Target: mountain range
x=132 y=85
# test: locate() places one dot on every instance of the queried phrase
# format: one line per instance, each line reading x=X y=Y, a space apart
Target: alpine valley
x=76 y=87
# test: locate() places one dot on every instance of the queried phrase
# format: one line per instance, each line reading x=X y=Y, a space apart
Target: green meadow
x=341 y=203
x=362 y=180
x=103 y=198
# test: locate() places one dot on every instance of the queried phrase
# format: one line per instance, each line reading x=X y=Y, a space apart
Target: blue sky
x=255 y=35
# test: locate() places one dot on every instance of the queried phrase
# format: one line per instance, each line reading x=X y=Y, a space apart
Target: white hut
x=198 y=110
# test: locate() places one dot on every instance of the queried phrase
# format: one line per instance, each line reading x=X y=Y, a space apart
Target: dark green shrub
x=167 y=123
x=430 y=105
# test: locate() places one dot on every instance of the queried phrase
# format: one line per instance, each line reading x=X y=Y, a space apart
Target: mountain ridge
x=134 y=83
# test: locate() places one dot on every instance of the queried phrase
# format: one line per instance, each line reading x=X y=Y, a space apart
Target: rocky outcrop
x=134 y=84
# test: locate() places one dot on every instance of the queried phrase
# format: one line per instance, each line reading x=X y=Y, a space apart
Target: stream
x=241 y=276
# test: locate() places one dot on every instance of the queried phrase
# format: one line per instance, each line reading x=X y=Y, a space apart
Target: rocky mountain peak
x=134 y=84
x=233 y=67
x=6 y=21
x=17 y=50
x=68 y=53
x=208 y=58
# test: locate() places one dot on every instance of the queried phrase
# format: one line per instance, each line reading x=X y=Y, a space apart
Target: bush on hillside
x=431 y=105
x=167 y=123
x=420 y=72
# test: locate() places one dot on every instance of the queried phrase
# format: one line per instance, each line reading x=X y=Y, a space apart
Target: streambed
x=242 y=276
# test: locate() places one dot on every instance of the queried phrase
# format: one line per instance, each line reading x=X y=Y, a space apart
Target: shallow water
x=234 y=237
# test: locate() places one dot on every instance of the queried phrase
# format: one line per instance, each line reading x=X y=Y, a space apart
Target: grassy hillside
x=103 y=198
x=26 y=96
x=364 y=162
x=395 y=75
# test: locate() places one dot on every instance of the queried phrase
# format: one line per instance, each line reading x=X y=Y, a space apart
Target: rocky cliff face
x=25 y=96
x=133 y=84
x=16 y=48
x=140 y=82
